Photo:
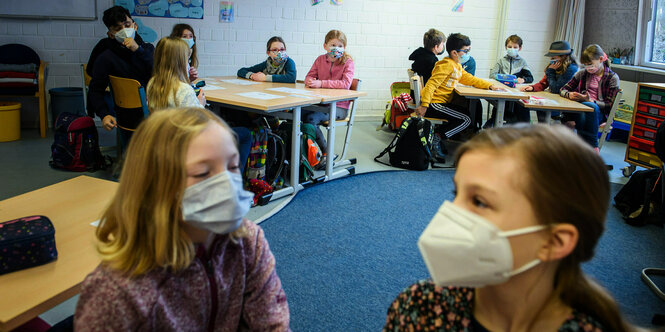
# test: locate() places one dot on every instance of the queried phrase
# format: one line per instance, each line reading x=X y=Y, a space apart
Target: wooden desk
x=471 y=92
x=229 y=97
x=562 y=104
x=71 y=205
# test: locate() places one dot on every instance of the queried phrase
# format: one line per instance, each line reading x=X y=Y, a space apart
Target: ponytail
x=582 y=293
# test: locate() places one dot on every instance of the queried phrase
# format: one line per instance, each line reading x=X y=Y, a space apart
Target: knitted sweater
x=233 y=286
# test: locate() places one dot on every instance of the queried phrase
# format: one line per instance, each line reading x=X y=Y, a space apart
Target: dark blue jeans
x=586 y=123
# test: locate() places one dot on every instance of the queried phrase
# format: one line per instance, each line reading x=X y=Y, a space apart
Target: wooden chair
x=610 y=119
x=128 y=95
x=20 y=55
x=85 y=81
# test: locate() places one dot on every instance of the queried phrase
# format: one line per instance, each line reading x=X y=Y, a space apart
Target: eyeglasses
x=126 y=24
x=277 y=50
x=464 y=51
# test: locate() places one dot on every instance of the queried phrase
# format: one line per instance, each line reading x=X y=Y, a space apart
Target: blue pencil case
x=509 y=80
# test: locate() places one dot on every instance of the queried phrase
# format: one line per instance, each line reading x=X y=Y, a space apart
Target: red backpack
x=76 y=144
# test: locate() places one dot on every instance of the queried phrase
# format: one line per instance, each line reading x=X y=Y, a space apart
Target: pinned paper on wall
x=163 y=8
x=316 y=2
x=458 y=6
x=336 y=2
x=226 y=11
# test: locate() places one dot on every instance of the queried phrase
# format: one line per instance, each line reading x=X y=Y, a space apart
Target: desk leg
x=548 y=117
x=330 y=152
x=500 y=107
x=295 y=150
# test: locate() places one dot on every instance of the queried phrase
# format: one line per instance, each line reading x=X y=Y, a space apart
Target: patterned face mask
x=279 y=57
x=336 y=52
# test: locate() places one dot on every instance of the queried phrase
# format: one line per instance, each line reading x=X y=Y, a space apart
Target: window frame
x=646 y=27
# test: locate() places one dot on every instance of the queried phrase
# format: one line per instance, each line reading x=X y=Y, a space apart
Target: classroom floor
x=24 y=167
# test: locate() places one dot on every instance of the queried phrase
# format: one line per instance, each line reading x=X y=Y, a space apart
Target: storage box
x=641 y=144
x=651 y=109
x=646 y=133
x=654 y=96
x=644 y=158
x=647 y=121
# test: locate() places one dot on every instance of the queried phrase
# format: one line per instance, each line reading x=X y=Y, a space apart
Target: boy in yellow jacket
x=437 y=96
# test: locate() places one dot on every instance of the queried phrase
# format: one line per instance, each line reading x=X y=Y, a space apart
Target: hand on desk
x=314 y=84
x=109 y=122
x=527 y=88
x=260 y=77
x=578 y=96
x=421 y=110
x=520 y=80
x=495 y=87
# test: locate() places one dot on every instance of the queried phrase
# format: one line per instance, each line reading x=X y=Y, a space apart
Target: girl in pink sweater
x=177 y=254
x=333 y=70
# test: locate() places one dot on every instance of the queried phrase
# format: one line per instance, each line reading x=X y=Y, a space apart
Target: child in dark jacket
x=424 y=58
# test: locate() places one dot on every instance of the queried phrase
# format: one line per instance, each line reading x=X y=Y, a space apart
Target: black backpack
x=640 y=200
x=412 y=145
x=76 y=144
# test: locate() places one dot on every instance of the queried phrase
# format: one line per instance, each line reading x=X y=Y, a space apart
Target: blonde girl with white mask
x=505 y=255
x=177 y=253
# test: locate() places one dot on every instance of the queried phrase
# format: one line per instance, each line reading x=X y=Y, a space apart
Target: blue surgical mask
x=124 y=33
x=464 y=58
x=189 y=41
x=512 y=52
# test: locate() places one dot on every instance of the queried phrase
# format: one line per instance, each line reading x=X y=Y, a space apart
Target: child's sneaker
x=437 y=144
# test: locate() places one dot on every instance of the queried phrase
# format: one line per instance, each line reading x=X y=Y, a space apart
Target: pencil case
x=509 y=80
x=26 y=242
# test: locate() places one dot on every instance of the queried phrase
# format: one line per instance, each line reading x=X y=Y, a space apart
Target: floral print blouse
x=426 y=307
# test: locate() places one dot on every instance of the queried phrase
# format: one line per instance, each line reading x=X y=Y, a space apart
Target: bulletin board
x=164 y=8
x=50 y=9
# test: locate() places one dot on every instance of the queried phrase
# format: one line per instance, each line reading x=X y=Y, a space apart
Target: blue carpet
x=341 y=272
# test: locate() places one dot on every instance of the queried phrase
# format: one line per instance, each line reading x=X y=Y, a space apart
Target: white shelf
x=640 y=69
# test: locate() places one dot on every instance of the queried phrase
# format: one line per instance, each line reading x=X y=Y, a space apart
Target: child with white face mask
x=278 y=67
x=594 y=86
x=177 y=253
x=505 y=255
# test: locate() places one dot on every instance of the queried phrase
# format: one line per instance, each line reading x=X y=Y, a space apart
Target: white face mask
x=512 y=52
x=124 y=33
x=463 y=249
x=217 y=204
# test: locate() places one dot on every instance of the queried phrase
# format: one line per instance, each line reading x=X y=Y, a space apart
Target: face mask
x=189 y=41
x=124 y=33
x=464 y=58
x=553 y=61
x=279 y=57
x=463 y=249
x=217 y=204
x=591 y=69
x=336 y=52
x=512 y=52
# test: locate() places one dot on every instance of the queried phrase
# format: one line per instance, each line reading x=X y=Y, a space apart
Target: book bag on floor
x=266 y=156
x=412 y=145
x=76 y=144
x=306 y=172
x=397 y=111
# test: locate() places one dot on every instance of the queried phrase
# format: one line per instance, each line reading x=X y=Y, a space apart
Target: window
x=654 y=34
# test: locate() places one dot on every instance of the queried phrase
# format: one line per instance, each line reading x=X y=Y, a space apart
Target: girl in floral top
x=505 y=255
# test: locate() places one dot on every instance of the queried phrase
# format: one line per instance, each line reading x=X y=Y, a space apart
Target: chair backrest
x=355 y=86
x=610 y=118
x=416 y=82
x=410 y=73
x=18 y=54
x=128 y=93
x=85 y=81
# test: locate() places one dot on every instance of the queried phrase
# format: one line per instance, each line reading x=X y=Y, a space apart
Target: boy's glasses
x=126 y=24
x=464 y=51
x=278 y=50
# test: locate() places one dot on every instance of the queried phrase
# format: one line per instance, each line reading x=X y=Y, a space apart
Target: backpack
x=76 y=144
x=412 y=145
x=639 y=199
x=307 y=149
x=396 y=111
x=267 y=156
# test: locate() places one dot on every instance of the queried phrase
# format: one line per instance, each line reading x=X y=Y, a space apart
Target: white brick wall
x=381 y=36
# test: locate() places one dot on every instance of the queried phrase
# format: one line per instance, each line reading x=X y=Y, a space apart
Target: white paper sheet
x=259 y=95
x=212 y=87
x=301 y=96
x=240 y=82
x=95 y=223
x=291 y=90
